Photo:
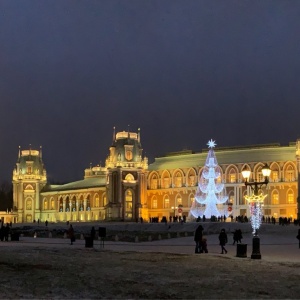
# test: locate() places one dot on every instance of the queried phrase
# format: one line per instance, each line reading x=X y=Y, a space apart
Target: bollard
x=65 y=235
x=178 y=234
x=241 y=250
x=185 y=234
x=50 y=234
x=159 y=237
x=116 y=238
x=169 y=235
x=136 y=239
x=149 y=238
x=81 y=236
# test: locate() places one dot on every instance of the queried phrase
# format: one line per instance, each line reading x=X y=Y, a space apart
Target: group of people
x=201 y=241
x=71 y=234
x=4 y=231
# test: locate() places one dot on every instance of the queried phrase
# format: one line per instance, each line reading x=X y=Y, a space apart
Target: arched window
x=153 y=182
x=96 y=200
x=45 y=204
x=74 y=204
x=67 y=204
x=275 y=198
x=129 y=177
x=128 y=204
x=232 y=175
x=191 y=199
x=166 y=202
x=289 y=173
x=52 y=203
x=178 y=179
x=88 y=204
x=154 y=202
x=178 y=200
x=290 y=197
x=60 y=205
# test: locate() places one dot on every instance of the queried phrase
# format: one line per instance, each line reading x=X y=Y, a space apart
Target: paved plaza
x=277 y=243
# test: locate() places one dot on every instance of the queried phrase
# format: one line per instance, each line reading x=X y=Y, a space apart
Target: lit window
x=191 y=180
x=275 y=198
x=290 y=197
x=275 y=176
x=166 y=182
x=178 y=180
x=167 y=202
x=154 y=203
x=232 y=178
x=290 y=175
x=154 y=183
x=179 y=201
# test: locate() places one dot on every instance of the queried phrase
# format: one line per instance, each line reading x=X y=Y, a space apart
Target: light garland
x=255 y=205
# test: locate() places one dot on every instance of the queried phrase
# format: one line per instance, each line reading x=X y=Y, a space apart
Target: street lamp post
x=255 y=202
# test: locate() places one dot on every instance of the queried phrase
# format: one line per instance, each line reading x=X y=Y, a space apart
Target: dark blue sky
x=182 y=71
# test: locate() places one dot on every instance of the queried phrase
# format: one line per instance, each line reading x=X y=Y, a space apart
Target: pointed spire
x=114 y=134
x=128 y=131
x=139 y=135
x=40 y=152
x=19 y=155
x=29 y=149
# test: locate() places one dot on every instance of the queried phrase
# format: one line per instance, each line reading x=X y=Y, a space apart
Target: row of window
x=290 y=199
x=191 y=179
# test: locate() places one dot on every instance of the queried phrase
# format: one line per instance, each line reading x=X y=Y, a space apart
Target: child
x=204 y=245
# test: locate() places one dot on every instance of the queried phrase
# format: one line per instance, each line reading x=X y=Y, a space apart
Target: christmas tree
x=210 y=196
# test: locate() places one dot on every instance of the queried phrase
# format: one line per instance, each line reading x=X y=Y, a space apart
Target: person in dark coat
x=298 y=237
x=198 y=238
x=223 y=240
x=237 y=236
x=71 y=234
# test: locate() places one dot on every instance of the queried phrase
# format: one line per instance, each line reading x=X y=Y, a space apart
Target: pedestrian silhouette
x=223 y=240
x=198 y=238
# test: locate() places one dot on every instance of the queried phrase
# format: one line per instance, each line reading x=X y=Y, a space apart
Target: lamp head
x=246 y=173
x=266 y=171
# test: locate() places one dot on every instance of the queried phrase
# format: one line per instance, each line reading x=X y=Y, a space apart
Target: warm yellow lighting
x=256 y=198
x=246 y=173
x=266 y=171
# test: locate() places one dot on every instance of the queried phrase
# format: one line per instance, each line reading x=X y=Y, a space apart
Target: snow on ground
x=51 y=268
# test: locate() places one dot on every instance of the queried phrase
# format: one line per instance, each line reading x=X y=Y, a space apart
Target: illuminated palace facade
x=127 y=189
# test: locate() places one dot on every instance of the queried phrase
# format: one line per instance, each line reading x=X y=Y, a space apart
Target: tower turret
x=29 y=177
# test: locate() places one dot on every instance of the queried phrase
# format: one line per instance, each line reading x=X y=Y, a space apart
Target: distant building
x=127 y=189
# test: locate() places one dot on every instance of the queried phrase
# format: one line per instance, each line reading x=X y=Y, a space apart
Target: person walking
x=223 y=240
x=198 y=238
x=71 y=234
x=298 y=237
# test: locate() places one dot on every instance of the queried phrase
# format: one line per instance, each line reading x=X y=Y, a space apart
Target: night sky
x=182 y=71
